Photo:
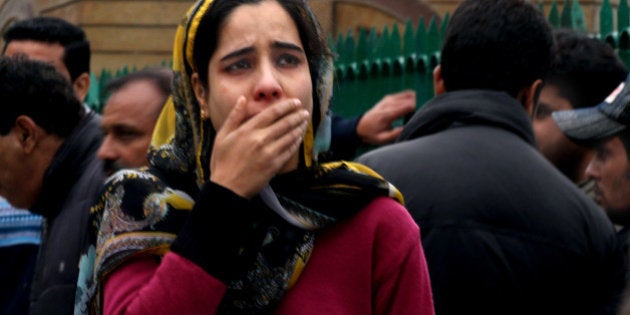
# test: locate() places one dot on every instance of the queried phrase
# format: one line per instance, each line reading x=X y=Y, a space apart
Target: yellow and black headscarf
x=141 y=211
x=182 y=140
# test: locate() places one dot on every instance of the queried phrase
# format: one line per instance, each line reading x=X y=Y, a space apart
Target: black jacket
x=69 y=187
x=503 y=231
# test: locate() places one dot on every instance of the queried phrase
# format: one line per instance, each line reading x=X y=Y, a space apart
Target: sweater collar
x=467 y=108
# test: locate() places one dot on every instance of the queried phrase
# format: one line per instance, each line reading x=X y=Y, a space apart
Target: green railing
x=372 y=63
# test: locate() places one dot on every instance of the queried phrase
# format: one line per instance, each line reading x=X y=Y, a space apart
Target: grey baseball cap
x=591 y=124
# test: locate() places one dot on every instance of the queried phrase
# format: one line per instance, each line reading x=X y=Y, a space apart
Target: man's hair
x=584 y=70
x=160 y=77
x=502 y=45
x=54 y=30
x=37 y=90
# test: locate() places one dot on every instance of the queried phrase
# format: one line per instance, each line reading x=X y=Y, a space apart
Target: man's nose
x=107 y=150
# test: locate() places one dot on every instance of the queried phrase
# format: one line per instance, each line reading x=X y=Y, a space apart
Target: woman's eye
x=239 y=65
x=288 y=60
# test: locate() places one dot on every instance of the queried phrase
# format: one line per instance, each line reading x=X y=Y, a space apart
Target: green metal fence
x=375 y=62
x=371 y=64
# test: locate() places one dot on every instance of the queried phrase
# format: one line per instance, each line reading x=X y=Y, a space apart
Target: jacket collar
x=470 y=107
x=68 y=164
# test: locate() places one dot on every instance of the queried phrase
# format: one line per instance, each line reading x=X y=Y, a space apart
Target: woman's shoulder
x=387 y=212
x=132 y=176
x=140 y=193
x=383 y=220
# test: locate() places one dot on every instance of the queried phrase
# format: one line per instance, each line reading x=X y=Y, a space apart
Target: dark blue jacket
x=69 y=188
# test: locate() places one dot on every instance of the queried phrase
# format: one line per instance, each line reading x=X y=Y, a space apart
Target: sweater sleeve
x=401 y=275
x=216 y=244
x=222 y=234
x=174 y=286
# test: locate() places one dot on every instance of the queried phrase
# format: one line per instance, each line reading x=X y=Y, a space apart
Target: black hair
x=37 y=90
x=160 y=77
x=584 y=70
x=502 y=45
x=55 y=30
x=315 y=46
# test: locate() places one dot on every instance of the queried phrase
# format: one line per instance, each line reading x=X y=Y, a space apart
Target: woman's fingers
x=249 y=151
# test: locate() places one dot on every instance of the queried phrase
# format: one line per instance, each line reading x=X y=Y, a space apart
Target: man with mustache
x=605 y=127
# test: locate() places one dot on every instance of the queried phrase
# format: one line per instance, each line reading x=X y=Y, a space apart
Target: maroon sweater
x=370 y=264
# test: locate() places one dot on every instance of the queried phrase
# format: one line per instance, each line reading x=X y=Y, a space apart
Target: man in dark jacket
x=48 y=164
x=503 y=231
x=605 y=127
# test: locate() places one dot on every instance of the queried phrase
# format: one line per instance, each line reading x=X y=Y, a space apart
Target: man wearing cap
x=605 y=127
x=583 y=72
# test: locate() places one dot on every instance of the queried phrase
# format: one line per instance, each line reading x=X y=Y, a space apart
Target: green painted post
x=433 y=36
x=93 y=97
x=612 y=39
x=381 y=43
x=341 y=58
x=572 y=16
x=372 y=40
x=554 y=15
x=624 y=46
x=421 y=37
x=340 y=90
x=364 y=88
x=362 y=50
x=623 y=16
x=349 y=48
x=605 y=19
x=565 y=16
x=395 y=53
x=424 y=90
x=408 y=38
x=395 y=42
x=443 y=28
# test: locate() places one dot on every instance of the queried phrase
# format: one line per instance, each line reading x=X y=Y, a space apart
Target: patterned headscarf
x=182 y=140
x=141 y=211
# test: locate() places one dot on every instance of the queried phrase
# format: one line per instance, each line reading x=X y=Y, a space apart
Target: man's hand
x=375 y=127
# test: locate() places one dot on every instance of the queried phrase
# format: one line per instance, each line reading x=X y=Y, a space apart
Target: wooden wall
x=140 y=32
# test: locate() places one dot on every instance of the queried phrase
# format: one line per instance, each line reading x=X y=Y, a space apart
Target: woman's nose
x=268 y=87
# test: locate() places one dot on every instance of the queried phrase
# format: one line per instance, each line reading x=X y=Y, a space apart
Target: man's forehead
x=42 y=51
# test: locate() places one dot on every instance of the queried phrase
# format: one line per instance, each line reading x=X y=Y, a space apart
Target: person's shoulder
x=131 y=192
x=140 y=180
x=387 y=216
x=384 y=152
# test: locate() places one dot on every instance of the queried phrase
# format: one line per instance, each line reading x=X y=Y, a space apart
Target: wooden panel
x=134 y=12
x=350 y=16
x=47 y=5
x=113 y=62
x=112 y=38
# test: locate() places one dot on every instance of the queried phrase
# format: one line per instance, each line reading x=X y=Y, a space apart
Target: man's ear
x=81 y=86
x=438 y=81
x=528 y=96
x=27 y=133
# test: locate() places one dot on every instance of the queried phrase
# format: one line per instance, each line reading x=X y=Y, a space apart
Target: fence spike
x=605 y=19
x=623 y=20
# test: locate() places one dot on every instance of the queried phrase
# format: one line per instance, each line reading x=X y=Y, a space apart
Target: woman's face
x=259 y=55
